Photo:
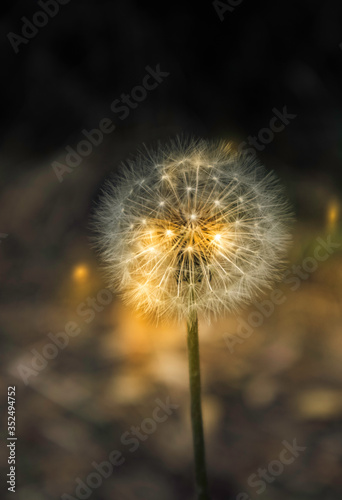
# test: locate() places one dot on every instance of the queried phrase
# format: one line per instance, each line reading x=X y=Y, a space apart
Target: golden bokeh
x=332 y=214
x=80 y=273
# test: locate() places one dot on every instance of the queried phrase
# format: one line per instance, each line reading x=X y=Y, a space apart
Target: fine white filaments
x=193 y=224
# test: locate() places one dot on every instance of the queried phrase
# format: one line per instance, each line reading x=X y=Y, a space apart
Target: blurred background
x=224 y=72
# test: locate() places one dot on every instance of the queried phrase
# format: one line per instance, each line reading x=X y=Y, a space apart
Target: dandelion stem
x=196 y=409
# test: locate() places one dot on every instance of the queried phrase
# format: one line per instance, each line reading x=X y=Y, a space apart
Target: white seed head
x=211 y=247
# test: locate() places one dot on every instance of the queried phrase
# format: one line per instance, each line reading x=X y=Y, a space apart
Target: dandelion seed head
x=213 y=246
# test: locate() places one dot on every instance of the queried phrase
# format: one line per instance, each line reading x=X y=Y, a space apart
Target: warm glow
x=80 y=272
x=332 y=213
x=184 y=247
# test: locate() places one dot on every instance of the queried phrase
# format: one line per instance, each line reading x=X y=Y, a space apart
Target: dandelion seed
x=218 y=223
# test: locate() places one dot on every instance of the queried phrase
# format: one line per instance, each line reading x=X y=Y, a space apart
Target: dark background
x=225 y=78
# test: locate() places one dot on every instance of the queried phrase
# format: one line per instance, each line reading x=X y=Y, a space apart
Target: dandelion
x=192 y=229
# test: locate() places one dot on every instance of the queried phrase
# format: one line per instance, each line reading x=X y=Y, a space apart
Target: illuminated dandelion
x=192 y=228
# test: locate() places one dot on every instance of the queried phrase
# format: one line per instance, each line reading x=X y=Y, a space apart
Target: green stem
x=196 y=409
